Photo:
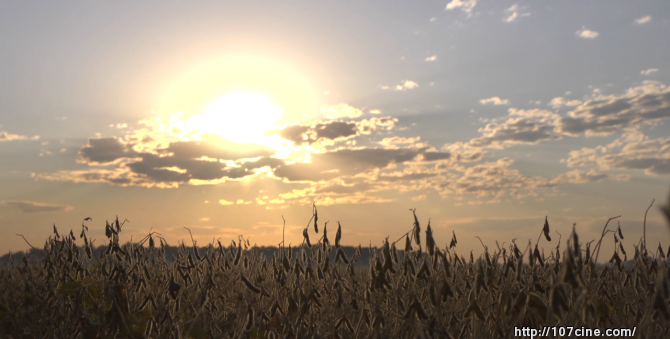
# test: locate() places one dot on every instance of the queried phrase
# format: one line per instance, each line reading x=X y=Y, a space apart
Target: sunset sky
x=222 y=116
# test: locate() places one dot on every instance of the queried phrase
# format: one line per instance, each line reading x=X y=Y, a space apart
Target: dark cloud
x=313 y=132
x=215 y=146
x=325 y=166
x=173 y=165
x=516 y=130
x=608 y=114
x=181 y=170
x=105 y=150
x=632 y=151
x=35 y=207
x=433 y=156
x=650 y=165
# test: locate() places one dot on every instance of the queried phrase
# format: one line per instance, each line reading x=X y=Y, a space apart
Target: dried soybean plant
x=150 y=289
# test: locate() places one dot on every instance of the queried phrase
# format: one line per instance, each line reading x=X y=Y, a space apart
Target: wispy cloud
x=558 y=102
x=419 y=197
x=6 y=136
x=494 y=100
x=405 y=84
x=464 y=5
x=649 y=71
x=35 y=207
x=586 y=33
x=643 y=20
x=431 y=58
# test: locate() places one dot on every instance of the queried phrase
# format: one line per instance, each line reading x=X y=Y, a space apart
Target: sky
x=225 y=117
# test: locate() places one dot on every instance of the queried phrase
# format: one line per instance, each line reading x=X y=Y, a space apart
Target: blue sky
x=485 y=116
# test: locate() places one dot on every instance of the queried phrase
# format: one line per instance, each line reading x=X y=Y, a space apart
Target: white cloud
x=5 y=136
x=558 y=102
x=514 y=12
x=586 y=33
x=405 y=84
x=643 y=20
x=512 y=17
x=340 y=111
x=410 y=84
x=225 y=202
x=433 y=19
x=495 y=101
x=431 y=58
x=649 y=71
x=464 y=5
x=375 y=111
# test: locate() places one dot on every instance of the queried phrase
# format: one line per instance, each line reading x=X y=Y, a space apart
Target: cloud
x=558 y=102
x=169 y=171
x=419 y=197
x=492 y=179
x=581 y=177
x=340 y=111
x=375 y=111
x=586 y=33
x=643 y=20
x=103 y=151
x=632 y=151
x=495 y=101
x=521 y=127
x=225 y=202
x=513 y=13
x=464 y=5
x=431 y=58
x=319 y=131
x=6 y=136
x=346 y=162
x=405 y=84
x=35 y=207
x=649 y=71
x=409 y=84
x=606 y=114
x=513 y=10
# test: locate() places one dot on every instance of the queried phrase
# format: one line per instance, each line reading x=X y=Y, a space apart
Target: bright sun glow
x=241 y=117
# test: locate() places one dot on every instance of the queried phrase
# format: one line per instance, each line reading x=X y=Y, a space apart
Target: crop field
x=411 y=287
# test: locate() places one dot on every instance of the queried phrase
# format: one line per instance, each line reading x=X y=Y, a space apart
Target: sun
x=241 y=117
